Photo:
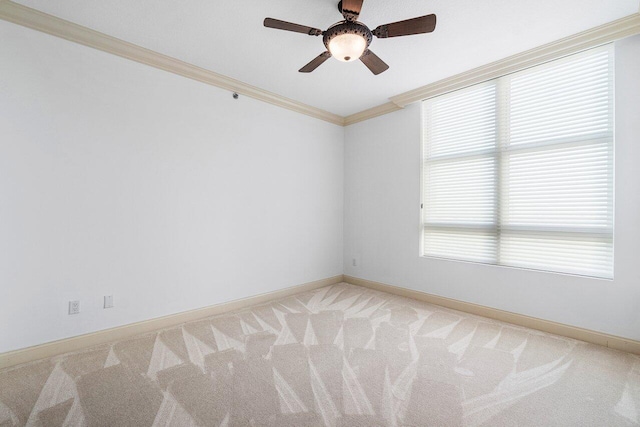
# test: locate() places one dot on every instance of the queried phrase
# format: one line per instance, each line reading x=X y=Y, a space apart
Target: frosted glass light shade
x=347 y=47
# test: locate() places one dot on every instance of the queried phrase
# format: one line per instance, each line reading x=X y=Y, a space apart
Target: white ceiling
x=228 y=37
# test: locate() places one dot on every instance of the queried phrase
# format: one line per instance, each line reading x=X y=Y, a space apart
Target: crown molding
x=606 y=33
x=370 y=113
x=34 y=19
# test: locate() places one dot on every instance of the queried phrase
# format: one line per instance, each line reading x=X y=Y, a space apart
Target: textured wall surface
x=382 y=224
x=120 y=179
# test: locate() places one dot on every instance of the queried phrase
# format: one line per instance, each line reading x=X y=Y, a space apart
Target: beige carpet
x=338 y=356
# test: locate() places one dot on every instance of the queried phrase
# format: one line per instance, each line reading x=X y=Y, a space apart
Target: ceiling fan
x=349 y=40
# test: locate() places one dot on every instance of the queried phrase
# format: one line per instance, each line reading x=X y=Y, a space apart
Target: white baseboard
x=67 y=345
x=587 y=335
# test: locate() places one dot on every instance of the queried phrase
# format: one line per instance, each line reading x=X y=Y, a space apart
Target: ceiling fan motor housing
x=349 y=40
x=347 y=27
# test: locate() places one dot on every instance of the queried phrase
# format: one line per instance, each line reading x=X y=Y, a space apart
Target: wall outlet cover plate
x=74 y=307
x=108 y=301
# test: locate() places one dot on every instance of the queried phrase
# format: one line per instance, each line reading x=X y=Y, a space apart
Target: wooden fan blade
x=351 y=9
x=315 y=63
x=373 y=63
x=288 y=26
x=420 y=25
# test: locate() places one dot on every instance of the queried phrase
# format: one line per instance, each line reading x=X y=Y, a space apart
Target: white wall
x=382 y=224
x=120 y=179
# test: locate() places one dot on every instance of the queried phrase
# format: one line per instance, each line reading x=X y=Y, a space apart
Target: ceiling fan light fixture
x=347 y=41
x=347 y=47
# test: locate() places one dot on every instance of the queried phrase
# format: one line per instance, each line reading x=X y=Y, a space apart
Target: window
x=518 y=171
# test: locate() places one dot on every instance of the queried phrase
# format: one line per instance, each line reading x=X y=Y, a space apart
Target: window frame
x=499 y=151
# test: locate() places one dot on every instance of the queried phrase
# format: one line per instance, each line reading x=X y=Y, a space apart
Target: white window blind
x=518 y=171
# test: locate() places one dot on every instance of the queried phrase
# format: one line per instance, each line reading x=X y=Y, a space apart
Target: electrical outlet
x=74 y=307
x=108 y=301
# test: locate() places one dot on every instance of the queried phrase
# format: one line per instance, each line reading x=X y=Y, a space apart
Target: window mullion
x=502 y=142
x=518 y=171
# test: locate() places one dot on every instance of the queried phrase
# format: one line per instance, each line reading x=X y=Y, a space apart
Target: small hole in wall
x=235 y=95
